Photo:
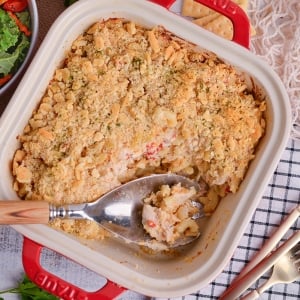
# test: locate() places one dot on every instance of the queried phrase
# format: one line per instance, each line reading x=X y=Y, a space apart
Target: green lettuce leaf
x=9 y=32
x=9 y=60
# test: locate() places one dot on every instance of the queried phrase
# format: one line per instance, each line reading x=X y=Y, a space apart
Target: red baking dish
x=125 y=265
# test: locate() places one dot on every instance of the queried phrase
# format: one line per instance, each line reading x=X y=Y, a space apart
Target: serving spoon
x=118 y=211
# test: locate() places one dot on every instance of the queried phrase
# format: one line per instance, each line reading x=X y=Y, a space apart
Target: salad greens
x=14 y=41
x=9 y=32
x=29 y=291
x=9 y=60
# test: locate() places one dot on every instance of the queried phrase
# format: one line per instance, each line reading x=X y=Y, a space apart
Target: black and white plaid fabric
x=280 y=197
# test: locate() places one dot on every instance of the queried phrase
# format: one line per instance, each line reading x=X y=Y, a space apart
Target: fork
x=292 y=264
x=286 y=270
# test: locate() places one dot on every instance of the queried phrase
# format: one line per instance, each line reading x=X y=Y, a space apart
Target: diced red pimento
x=151 y=224
x=152 y=149
x=227 y=189
x=129 y=156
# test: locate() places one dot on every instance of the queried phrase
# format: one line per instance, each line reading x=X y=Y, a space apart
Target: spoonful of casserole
x=158 y=211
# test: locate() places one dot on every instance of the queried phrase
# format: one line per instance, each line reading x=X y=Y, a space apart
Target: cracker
x=191 y=8
x=207 y=19
x=212 y=20
x=187 y=8
x=243 y=4
x=221 y=26
x=252 y=30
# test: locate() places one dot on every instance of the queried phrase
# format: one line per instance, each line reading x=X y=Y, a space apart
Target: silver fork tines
x=295 y=255
x=285 y=261
x=285 y=270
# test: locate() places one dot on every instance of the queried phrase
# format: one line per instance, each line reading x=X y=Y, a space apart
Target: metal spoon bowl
x=118 y=211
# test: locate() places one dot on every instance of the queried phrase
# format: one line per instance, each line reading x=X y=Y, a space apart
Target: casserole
x=161 y=276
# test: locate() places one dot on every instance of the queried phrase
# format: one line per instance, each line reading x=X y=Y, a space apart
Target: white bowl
x=157 y=276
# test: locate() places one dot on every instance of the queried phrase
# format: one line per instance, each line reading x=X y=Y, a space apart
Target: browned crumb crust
x=130 y=101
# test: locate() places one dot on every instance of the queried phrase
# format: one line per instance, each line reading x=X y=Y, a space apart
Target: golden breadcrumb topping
x=130 y=101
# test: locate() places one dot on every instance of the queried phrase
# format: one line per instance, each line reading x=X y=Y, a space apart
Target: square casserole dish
x=153 y=275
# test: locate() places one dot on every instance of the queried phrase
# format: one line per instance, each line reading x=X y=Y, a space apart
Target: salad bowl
x=18 y=34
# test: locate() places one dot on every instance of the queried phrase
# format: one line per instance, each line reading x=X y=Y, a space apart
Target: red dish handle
x=239 y=19
x=57 y=286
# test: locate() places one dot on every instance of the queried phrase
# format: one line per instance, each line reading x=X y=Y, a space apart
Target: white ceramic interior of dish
x=200 y=263
x=32 y=7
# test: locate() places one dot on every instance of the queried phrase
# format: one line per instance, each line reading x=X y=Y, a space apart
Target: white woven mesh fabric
x=277 y=40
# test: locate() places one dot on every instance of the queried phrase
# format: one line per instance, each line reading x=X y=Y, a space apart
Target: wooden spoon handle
x=24 y=212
